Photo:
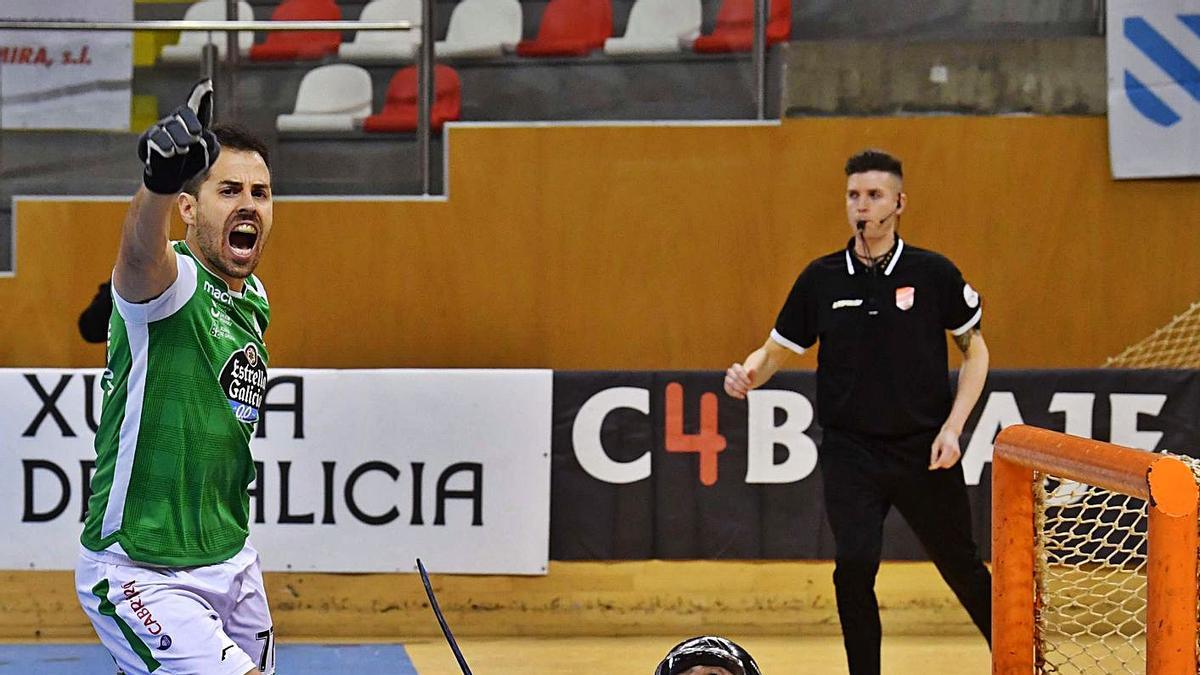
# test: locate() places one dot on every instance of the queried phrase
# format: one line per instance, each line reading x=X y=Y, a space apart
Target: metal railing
x=759 y=51
x=232 y=28
x=425 y=59
x=209 y=26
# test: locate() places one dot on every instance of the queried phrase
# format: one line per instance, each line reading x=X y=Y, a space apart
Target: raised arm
x=176 y=148
x=145 y=266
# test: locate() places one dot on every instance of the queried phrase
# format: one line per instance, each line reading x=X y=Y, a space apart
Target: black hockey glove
x=179 y=146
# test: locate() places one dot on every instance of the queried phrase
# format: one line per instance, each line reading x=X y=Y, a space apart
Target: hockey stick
x=437 y=611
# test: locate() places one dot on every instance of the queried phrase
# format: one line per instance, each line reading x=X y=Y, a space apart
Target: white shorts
x=210 y=620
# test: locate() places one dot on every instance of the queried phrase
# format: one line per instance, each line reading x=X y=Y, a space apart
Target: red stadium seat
x=570 y=28
x=300 y=45
x=734 y=31
x=399 y=112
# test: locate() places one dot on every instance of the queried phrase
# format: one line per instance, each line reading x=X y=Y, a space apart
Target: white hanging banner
x=66 y=79
x=1154 y=88
x=361 y=470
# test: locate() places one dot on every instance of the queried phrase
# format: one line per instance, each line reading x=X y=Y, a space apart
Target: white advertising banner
x=1154 y=88
x=361 y=470
x=66 y=79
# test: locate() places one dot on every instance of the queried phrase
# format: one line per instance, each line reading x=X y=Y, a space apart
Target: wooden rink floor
x=581 y=617
x=785 y=611
x=902 y=655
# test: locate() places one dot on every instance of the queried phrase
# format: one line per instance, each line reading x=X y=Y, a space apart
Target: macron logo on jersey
x=219 y=295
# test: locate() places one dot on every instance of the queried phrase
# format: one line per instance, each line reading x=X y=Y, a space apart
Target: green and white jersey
x=187 y=372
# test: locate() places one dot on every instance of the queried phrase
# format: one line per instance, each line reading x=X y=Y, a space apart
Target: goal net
x=1175 y=345
x=1094 y=551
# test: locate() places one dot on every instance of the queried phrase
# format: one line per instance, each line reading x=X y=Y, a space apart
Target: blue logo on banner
x=1167 y=57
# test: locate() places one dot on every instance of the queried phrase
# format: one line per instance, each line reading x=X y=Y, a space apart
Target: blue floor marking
x=293 y=659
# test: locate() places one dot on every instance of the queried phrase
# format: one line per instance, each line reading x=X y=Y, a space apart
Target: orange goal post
x=1094 y=557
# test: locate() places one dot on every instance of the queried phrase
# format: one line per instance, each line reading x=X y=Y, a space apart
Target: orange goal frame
x=1170 y=491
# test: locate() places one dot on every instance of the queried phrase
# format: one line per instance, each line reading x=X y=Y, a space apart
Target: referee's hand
x=739 y=380
x=945 y=453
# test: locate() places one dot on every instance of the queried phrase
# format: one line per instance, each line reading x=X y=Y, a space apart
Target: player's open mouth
x=242 y=238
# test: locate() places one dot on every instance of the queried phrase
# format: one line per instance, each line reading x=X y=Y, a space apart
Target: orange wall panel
x=663 y=247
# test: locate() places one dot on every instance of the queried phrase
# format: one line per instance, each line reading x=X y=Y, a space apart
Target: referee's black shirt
x=881 y=367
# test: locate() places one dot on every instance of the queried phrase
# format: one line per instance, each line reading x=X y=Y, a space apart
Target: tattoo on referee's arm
x=964 y=341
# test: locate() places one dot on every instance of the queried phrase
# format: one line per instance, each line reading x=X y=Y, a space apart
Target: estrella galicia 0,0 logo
x=244 y=381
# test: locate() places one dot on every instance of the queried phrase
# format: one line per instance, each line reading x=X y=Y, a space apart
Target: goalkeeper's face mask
x=707 y=655
x=229 y=219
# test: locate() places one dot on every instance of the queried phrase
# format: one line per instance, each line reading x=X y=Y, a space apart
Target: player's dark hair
x=230 y=137
x=873 y=160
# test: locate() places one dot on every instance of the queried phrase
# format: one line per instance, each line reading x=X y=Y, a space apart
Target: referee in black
x=880 y=308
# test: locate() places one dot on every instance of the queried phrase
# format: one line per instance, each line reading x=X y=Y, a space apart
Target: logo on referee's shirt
x=905 y=295
x=970 y=296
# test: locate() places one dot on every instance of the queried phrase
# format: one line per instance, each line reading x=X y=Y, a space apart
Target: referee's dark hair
x=874 y=160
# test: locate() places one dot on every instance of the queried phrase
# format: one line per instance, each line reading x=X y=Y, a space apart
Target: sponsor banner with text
x=66 y=79
x=359 y=471
x=366 y=470
x=665 y=465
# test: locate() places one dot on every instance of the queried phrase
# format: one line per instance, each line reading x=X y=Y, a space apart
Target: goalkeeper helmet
x=708 y=650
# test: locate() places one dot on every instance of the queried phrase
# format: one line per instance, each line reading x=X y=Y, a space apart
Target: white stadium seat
x=658 y=27
x=331 y=98
x=385 y=46
x=480 y=28
x=188 y=49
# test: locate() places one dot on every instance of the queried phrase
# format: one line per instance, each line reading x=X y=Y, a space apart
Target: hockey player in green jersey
x=165 y=573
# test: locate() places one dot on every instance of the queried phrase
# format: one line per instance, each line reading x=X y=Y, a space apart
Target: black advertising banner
x=665 y=465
